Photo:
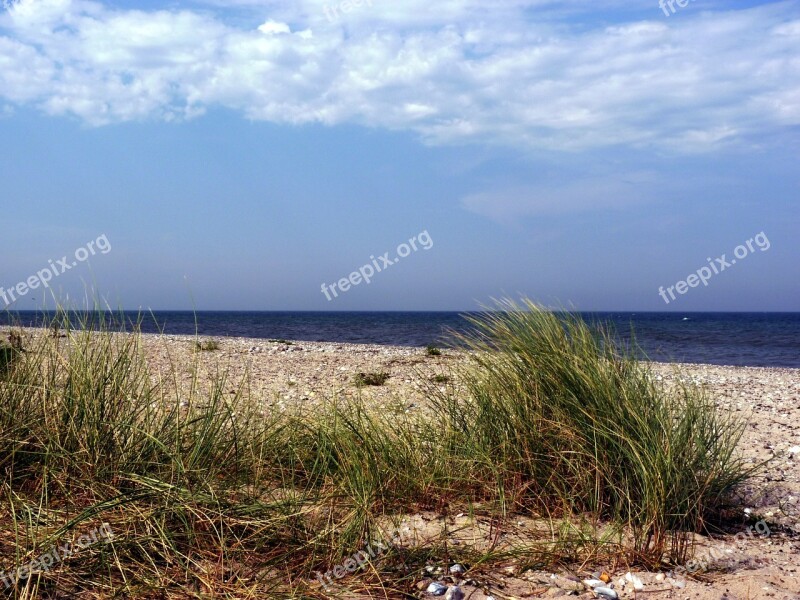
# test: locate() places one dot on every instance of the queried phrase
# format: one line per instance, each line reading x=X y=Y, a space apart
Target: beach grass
x=208 y=490
x=432 y=350
x=374 y=379
x=207 y=346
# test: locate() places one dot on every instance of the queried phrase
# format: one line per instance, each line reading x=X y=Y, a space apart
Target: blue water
x=750 y=339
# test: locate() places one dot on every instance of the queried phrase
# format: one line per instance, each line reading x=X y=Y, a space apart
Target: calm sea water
x=751 y=339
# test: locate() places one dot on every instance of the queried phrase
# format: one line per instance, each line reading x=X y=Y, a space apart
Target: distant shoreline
x=769 y=343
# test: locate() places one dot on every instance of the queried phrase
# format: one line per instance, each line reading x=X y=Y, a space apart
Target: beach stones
x=457 y=569
x=436 y=589
x=598 y=586
x=450 y=593
x=454 y=593
x=633 y=579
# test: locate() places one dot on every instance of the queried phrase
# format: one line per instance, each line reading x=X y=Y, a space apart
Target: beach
x=399 y=300
x=290 y=375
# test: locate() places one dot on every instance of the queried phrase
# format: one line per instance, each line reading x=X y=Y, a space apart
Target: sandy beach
x=297 y=374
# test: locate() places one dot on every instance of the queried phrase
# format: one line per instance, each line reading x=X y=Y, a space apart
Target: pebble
x=637 y=583
x=457 y=569
x=436 y=589
x=454 y=593
x=605 y=592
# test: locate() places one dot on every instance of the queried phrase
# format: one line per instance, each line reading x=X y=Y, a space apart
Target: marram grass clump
x=563 y=420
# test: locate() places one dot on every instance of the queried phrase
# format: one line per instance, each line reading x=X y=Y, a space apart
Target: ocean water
x=748 y=339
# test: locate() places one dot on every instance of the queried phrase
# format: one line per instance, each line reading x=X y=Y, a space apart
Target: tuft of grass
x=374 y=379
x=9 y=352
x=562 y=420
x=15 y=341
x=207 y=346
x=440 y=378
x=432 y=350
x=7 y=357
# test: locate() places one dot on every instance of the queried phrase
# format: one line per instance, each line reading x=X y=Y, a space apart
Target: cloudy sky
x=239 y=154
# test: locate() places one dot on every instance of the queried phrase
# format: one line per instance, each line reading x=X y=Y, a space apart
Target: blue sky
x=238 y=155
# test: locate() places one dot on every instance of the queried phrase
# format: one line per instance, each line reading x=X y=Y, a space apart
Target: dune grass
x=208 y=490
x=576 y=425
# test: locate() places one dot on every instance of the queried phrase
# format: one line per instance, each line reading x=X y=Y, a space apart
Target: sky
x=264 y=155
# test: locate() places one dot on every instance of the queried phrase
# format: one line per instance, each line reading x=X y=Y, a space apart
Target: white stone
x=454 y=593
x=637 y=583
x=457 y=569
x=605 y=592
x=436 y=589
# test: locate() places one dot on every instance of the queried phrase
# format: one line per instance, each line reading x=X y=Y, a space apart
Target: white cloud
x=529 y=74
x=274 y=27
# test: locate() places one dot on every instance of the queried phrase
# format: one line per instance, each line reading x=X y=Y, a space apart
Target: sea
x=742 y=339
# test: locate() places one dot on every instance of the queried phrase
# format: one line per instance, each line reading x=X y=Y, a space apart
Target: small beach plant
x=207 y=346
x=432 y=350
x=374 y=379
